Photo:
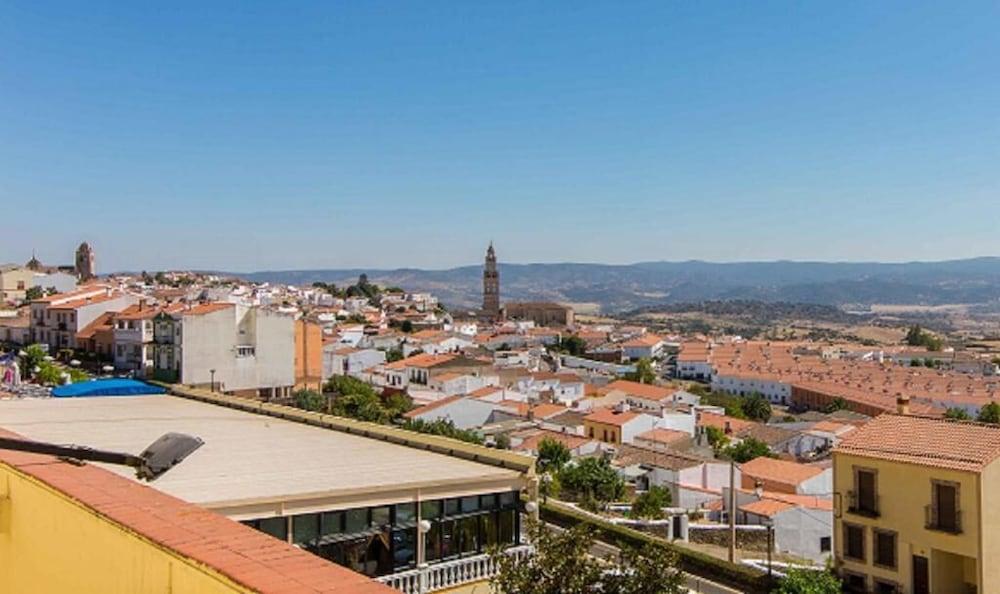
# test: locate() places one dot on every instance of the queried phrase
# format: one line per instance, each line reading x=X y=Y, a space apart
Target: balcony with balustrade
x=450 y=574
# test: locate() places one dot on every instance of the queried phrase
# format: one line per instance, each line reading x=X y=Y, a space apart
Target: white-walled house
x=777 y=392
x=803 y=526
x=344 y=360
x=230 y=347
x=463 y=411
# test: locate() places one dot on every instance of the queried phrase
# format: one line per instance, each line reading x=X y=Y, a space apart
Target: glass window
x=470 y=504
x=406 y=513
x=885 y=548
x=433 y=542
x=468 y=529
x=430 y=510
x=380 y=516
x=489 y=530
x=276 y=527
x=449 y=541
x=507 y=499
x=332 y=523
x=450 y=507
x=854 y=542
x=356 y=520
x=508 y=526
x=305 y=528
x=488 y=502
x=404 y=548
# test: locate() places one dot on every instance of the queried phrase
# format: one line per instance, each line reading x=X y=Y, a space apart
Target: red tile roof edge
x=249 y=558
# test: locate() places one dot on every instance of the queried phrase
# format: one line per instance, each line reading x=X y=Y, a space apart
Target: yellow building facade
x=917 y=507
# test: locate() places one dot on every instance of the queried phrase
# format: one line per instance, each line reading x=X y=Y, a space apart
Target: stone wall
x=746 y=539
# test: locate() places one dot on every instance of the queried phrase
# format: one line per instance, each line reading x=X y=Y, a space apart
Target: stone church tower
x=85 y=262
x=491 y=285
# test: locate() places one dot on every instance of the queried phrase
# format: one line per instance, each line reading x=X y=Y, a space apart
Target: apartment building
x=917 y=506
x=132 y=330
x=56 y=319
x=227 y=347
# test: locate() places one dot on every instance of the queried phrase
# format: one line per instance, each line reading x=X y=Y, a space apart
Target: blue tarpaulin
x=106 y=387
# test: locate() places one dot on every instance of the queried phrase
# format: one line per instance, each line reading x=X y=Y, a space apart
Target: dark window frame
x=847 y=526
x=877 y=535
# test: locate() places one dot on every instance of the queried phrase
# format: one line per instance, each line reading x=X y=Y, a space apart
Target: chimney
x=902 y=404
x=728 y=428
x=142 y=304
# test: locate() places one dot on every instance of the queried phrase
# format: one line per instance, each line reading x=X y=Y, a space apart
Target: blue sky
x=382 y=134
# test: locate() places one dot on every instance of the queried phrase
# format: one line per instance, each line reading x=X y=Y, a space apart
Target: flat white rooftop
x=250 y=460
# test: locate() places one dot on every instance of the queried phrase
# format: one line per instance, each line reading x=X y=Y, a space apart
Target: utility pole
x=732 y=511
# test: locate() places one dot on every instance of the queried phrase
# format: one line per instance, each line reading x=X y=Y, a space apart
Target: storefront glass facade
x=381 y=540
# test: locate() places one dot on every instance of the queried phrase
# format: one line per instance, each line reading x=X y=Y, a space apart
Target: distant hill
x=626 y=287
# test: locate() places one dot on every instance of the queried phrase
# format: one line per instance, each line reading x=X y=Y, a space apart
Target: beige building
x=540 y=312
x=56 y=319
x=917 y=506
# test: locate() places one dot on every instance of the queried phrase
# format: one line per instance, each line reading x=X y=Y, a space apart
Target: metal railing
x=943 y=522
x=450 y=574
x=863 y=506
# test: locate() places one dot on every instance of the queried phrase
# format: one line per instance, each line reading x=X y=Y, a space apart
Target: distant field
x=939 y=309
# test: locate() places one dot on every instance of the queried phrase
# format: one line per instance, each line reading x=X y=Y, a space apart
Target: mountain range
x=618 y=288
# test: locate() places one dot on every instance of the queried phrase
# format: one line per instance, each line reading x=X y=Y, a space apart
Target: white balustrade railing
x=449 y=574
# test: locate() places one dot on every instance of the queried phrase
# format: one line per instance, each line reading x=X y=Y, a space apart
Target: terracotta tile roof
x=778 y=471
x=102 y=323
x=959 y=445
x=206 y=308
x=766 y=507
x=629 y=455
x=809 y=501
x=608 y=416
x=422 y=361
x=420 y=410
x=532 y=441
x=485 y=391
x=666 y=436
x=640 y=390
x=246 y=556
x=544 y=411
x=646 y=340
x=707 y=419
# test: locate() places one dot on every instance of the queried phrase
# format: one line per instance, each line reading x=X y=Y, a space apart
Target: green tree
x=502 y=441
x=562 y=564
x=552 y=455
x=836 y=404
x=34 y=356
x=444 y=428
x=572 y=345
x=592 y=482
x=747 y=450
x=650 y=570
x=363 y=407
x=406 y=326
x=717 y=438
x=957 y=414
x=809 y=581
x=989 y=413
x=650 y=504
x=398 y=404
x=393 y=355
x=310 y=400
x=643 y=373
x=33 y=293
x=756 y=407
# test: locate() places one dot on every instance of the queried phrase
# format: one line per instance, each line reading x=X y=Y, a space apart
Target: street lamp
x=212 y=371
x=161 y=455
